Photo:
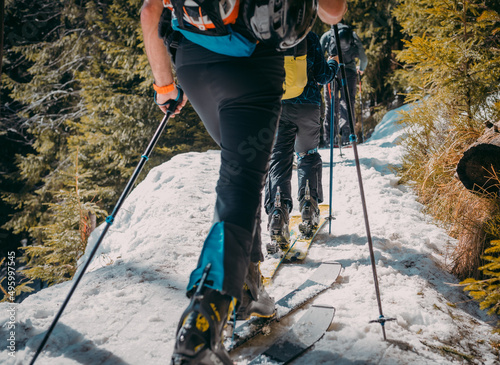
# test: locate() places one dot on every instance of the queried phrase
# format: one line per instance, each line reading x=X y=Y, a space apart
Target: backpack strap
x=171 y=38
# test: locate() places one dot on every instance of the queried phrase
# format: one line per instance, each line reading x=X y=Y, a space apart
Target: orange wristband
x=164 y=89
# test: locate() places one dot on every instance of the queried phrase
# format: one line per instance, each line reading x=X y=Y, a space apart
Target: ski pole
x=110 y=219
x=332 y=114
x=361 y=108
x=352 y=139
x=332 y=105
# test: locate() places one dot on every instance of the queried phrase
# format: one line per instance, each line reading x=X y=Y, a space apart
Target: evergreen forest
x=77 y=112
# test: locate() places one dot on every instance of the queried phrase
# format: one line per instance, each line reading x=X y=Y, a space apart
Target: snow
x=126 y=308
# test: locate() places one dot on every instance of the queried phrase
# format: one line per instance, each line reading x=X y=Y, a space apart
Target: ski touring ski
x=308 y=330
x=321 y=279
x=298 y=248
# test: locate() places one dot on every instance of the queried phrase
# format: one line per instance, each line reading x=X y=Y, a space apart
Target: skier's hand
x=359 y=71
x=332 y=11
x=164 y=98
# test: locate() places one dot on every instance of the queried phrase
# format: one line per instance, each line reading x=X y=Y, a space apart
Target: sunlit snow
x=127 y=306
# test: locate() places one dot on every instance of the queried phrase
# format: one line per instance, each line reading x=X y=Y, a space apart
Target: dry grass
x=433 y=149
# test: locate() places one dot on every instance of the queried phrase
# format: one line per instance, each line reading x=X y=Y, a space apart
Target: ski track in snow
x=127 y=306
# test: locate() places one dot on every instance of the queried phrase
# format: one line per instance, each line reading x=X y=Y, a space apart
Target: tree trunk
x=479 y=168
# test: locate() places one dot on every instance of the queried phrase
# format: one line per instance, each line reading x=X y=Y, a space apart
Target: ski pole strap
x=352 y=137
x=146 y=157
x=168 y=101
x=110 y=219
x=337 y=70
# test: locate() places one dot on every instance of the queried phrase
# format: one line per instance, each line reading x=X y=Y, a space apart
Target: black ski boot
x=200 y=331
x=278 y=225
x=310 y=213
x=255 y=300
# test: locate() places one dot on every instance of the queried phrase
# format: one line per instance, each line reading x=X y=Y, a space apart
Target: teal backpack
x=209 y=24
x=234 y=27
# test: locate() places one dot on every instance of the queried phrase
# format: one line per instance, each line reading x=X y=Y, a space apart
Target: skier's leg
x=327 y=119
x=238 y=100
x=309 y=167
x=306 y=146
x=255 y=300
x=240 y=108
x=278 y=184
x=338 y=112
x=352 y=81
x=281 y=163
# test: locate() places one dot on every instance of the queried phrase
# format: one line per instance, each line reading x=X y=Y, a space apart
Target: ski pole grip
x=172 y=105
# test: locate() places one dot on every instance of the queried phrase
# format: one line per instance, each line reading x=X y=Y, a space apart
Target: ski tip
x=328 y=306
x=332 y=263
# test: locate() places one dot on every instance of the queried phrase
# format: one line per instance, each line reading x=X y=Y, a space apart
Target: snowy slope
x=126 y=308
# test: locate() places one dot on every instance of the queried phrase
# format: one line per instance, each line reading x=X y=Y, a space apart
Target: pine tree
x=453 y=49
x=487 y=291
x=26 y=24
x=86 y=92
x=9 y=293
x=65 y=238
x=381 y=35
x=117 y=94
x=48 y=97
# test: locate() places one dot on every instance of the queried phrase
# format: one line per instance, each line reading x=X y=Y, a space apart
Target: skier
x=298 y=130
x=352 y=48
x=234 y=83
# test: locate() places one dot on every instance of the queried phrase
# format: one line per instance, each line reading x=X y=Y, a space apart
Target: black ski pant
x=239 y=102
x=341 y=121
x=299 y=131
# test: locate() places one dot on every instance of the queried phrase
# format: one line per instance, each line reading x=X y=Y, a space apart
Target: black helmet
x=281 y=23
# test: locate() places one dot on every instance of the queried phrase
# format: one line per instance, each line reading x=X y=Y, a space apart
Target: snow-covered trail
x=126 y=308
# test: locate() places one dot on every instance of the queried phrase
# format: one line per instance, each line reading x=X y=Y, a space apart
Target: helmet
x=346 y=37
x=281 y=23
